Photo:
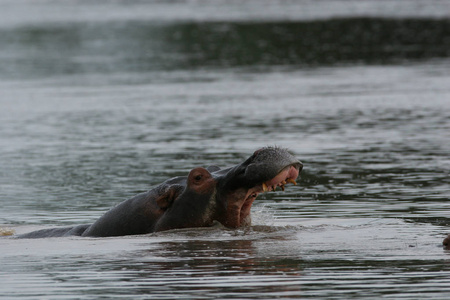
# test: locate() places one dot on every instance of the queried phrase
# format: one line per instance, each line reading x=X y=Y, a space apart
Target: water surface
x=97 y=107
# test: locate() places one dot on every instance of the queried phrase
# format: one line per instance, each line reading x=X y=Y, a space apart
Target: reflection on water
x=265 y=262
x=355 y=40
x=100 y=105
x=49 y=50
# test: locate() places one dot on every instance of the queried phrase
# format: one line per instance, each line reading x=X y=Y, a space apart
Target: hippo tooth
x=291 y=181
x=264 y=187
x=282 y=187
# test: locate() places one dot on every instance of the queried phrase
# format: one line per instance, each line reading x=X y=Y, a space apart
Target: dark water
x=102 y=100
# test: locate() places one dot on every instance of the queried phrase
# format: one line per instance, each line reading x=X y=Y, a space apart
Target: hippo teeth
x=281 y=184
x=290 y=180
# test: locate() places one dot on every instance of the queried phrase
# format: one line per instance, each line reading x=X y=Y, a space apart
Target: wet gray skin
x=197 y=200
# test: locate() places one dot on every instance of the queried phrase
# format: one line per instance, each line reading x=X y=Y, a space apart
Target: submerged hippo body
x=197 y=200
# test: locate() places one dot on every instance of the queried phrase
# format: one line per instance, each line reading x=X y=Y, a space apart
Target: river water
x=101 y=100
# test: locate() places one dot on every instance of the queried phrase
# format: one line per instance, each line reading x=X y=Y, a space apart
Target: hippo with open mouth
x=197 y=200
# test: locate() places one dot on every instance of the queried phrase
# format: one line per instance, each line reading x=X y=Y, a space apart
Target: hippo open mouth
x=268 y=169
x=287 y=175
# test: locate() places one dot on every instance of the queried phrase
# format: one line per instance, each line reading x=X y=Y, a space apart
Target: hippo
x=446 y=242
x=202 y=198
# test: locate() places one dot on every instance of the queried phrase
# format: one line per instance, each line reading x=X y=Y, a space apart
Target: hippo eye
x=198 y=177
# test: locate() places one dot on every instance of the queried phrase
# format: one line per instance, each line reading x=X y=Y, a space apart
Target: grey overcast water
x=101 y=100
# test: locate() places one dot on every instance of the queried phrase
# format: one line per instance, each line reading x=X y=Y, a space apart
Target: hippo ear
x=166 y=199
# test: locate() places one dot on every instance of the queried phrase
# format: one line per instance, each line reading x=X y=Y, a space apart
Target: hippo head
x=211 y=194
